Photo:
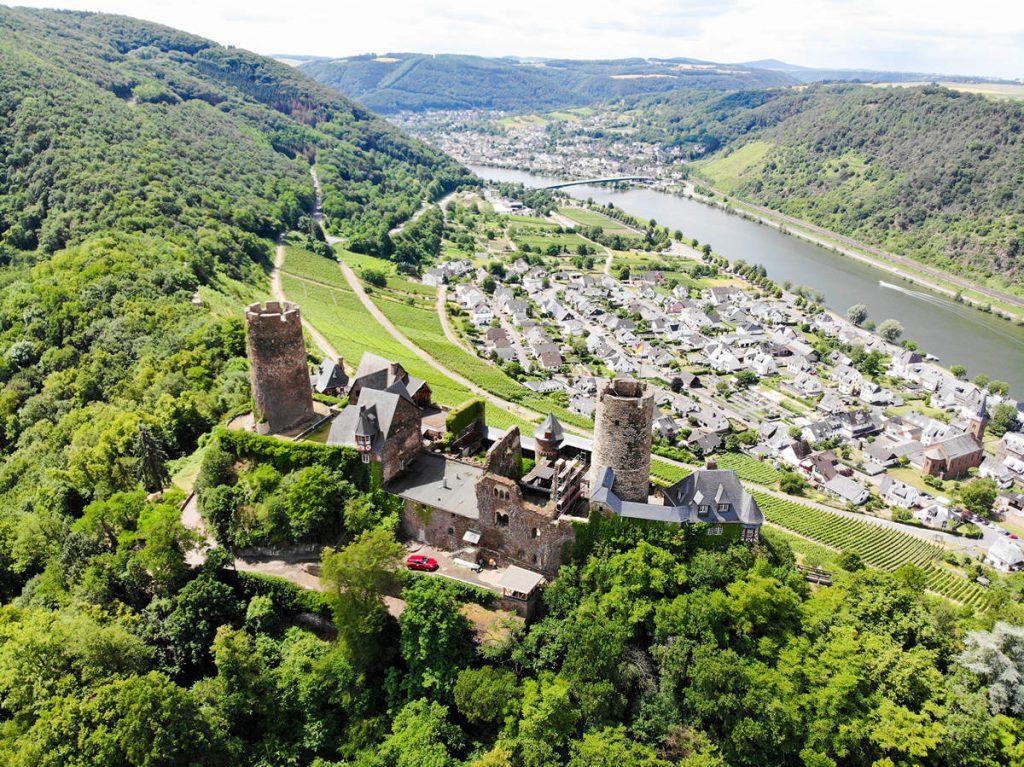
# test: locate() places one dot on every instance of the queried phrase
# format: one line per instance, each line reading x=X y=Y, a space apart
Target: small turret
x=548 y=438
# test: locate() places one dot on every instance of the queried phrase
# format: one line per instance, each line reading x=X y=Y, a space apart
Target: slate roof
x=550 y=430
x=330 y=375
x=710 y=487
x=372 y=417
x=954 y=447
x=435 y=481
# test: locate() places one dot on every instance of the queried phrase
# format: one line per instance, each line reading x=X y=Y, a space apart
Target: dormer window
x=703 y=509
x=723 y=507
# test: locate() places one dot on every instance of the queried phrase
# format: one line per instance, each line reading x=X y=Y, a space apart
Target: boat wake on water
x=932 y=299
x=961 y=310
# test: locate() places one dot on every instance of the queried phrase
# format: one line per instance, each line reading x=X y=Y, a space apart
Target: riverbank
x=955 y=331
x=998 y=303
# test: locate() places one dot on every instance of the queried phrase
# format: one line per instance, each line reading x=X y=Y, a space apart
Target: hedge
x=289 y=456
x=462 y=416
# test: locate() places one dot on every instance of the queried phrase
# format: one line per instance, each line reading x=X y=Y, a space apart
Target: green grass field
x=538 y=239
x=532 y=221
x=587 y=217
x=728 y=172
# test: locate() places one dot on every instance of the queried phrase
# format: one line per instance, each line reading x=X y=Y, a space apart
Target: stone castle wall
x=622 y=437
x=281 y=388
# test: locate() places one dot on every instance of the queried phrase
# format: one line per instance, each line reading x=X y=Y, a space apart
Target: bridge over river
x=597 y=181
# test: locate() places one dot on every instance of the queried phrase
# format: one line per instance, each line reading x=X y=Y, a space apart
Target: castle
x=492 y=511
x=521 y=503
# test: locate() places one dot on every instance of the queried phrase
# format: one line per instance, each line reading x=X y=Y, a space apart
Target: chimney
x=711 y=464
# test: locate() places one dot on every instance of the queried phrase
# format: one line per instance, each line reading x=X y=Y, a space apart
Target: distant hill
x=412 y=81
x=829 y=74
x=925 y=171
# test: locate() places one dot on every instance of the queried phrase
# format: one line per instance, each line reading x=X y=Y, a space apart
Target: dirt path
x=299 y=572
x=442 y=315
x=357 y=287
x=278 y=291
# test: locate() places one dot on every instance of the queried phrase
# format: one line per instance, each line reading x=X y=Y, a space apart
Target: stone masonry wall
x=281 y=387
x=520 y=536
x=506 y=455
x=404 y=442
x=622 y=437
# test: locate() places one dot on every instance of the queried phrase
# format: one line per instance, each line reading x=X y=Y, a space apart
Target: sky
x=983 y=37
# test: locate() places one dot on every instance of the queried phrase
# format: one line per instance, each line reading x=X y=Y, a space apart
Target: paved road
x=357 y=287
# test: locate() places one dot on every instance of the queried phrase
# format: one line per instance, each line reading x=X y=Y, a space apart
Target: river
x=956 y=333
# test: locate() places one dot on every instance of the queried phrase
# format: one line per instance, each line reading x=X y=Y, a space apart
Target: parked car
x=421 y=562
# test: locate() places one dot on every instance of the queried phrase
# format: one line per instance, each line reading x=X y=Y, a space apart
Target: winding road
x=933 y=536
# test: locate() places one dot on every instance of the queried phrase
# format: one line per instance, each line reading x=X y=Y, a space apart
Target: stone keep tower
x=281 y=388
x=622 y=437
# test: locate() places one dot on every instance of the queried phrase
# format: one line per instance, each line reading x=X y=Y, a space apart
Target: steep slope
x=412 y=81
x=925 y=172
x=139 y=165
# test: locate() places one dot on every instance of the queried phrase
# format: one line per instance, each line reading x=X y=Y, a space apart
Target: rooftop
x=436 y=481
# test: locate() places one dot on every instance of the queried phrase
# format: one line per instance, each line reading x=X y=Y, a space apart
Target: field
x=998 y=91
x=728 y=172
x=539 y=239
x=749 y=469
x=422 y=326
x=877 y=546
x=587 y=217
x=532 y=221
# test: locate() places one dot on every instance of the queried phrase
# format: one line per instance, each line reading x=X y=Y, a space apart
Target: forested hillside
x=144 y=173
x=925 y=172
x=413 y=81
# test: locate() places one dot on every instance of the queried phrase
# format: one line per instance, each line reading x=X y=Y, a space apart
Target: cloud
x=984 y=37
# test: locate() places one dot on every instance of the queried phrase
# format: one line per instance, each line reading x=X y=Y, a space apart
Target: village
x=564 y=144
x=740 y=386
x=868 y=424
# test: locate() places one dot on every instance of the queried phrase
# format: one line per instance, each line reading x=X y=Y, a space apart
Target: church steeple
x=978 y=421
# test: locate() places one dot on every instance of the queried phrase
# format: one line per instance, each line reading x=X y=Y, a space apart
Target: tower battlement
x=622 y=436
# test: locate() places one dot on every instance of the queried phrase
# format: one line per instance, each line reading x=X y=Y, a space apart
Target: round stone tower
x=622 y=437
x=281 y=388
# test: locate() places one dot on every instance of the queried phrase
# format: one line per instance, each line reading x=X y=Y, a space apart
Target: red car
x=421 y=562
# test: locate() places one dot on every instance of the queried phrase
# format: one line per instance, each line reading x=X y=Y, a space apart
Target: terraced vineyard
x=878 y=546
x=748 y=468
x=667 y=473
x=943 y=581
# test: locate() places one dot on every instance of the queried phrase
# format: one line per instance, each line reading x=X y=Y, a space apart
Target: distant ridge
x=394 y=82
